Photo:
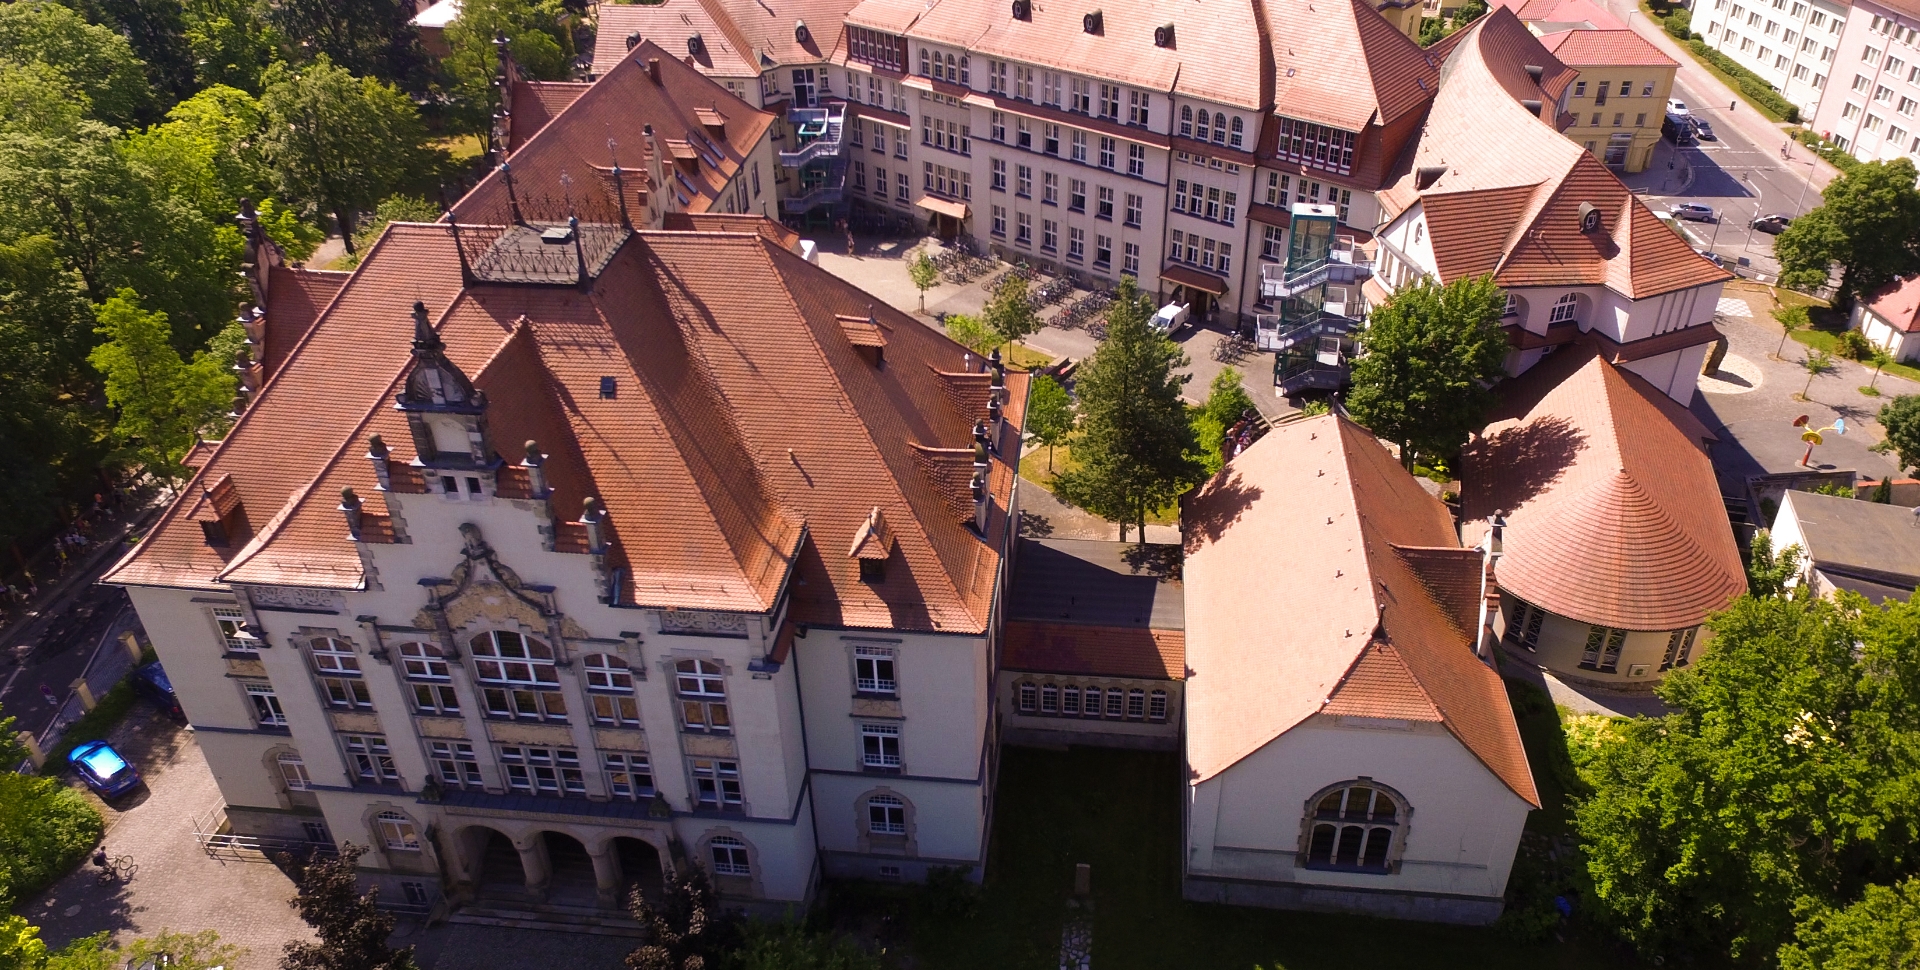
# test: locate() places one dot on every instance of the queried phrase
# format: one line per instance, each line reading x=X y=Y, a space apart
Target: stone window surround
x=1402 y=826
x=907 y=845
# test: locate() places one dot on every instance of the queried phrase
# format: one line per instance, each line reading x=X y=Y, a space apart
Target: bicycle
x=118 y=869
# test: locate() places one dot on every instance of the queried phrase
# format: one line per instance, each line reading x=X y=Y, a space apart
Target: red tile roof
x=722 y=51
x=747 y=437
x=1898 y=303
x=295 y=299
x=1613 y=513
x=1605 y=48
x=535 y=103
x=1311 y=565
x=1341 y=63
x=618 y=108
x=1562 y=12
x=1511 y=183
x=1094 y=651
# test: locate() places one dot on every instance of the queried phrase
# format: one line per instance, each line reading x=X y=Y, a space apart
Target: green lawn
x=1119 y=811
x=1034 y=465
x=1829 y=341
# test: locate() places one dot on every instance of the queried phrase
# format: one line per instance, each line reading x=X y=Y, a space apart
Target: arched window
x=886 y=815
x=1239 y=133
x=1219 y=127
x=1564 y=309
x=397 y=831
x=426 y=669
x=729 y=856
x=610 y=689
x=339 y=672
x=517 y=676
x=1353 y=827
x=1186 y=121
x=703 y=695
x=1205 y=127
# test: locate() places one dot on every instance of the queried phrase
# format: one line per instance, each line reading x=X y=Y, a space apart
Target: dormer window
x=462 y=487
x=873 y=570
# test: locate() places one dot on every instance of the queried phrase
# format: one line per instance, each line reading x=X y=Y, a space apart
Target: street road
x=60 y=645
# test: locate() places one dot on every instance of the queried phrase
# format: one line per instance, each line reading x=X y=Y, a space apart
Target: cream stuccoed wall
x=1245 y=825
x=1677 y=374
x=1563 y=640
x=941 y=708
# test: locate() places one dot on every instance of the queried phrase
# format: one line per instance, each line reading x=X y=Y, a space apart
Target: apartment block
x=1871 y=103
x=1789 y=43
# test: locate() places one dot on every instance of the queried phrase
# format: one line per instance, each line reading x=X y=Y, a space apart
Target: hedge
x=1756 y=90
x=1832 y=153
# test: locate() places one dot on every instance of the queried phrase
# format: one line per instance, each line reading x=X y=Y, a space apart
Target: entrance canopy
x=957 y=210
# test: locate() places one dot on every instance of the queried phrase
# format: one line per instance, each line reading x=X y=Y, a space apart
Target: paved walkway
x=177 y=887
x=1751 y=406
x=1044 y=517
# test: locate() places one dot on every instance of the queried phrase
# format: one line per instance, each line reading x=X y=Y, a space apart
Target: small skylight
x=607 y=387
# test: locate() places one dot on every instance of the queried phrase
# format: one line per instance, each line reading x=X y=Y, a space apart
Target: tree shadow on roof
x=1206 y=514
x=1519 y=463
x=1156 y=560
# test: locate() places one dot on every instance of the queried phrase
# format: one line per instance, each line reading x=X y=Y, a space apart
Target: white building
x=1862 y=547
x=1792 y=44
x=1872 y=108
x=1348 y=745
x=1890 y=318
x=732 y=604
x=1492 y=188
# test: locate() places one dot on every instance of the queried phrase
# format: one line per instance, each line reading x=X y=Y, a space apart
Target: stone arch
x=421 y=857
x=873 y=836
x=493 y=863
x=574 y=875
x=640 y=861
x=285 y=777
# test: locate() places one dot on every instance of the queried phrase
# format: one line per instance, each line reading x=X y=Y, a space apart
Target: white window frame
x=886 y=815
x=880 y=746
x=397 y=832
x=875 y=670
x=729 y=856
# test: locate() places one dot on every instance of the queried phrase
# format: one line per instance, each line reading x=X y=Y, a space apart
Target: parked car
x=1773 y=225
x=151 y=682
x=1691 y=211
x=1701 y=129
x=1712 y=257
x=1677 y=108
x=103 y=769
x=1171 y=318
x=1679 y=132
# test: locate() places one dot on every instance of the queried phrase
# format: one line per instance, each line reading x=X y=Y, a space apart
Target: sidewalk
x=19 y=639
x=1763 y=132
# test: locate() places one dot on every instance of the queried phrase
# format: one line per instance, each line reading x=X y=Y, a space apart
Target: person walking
x=46 y=694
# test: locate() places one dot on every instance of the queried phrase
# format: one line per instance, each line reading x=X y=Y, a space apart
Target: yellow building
x=1402 y=14
x=1620 y=98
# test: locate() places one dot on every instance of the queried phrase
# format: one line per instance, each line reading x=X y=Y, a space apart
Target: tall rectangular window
x=1135 y=206
x=1157 y=706
x=1679 y=648
x=233 y=624
x=1130 y=258
x=542 y=771
x=1602 y=650
x=455 y=764
x=629 y=776
x=716 y=784
x=880 y=746
x=1079 y=145
x=1139 y=108
x=370 y=758
x=703 y=696
x=266 y=706
x=873 y=669
x=1137 y=160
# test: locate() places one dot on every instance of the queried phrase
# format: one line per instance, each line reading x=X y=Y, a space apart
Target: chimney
x=653 y=69
x=982 y=442
x=350 y=504
x=535 y=464
x=979 y=489
x=594 y=518
x=377 y=453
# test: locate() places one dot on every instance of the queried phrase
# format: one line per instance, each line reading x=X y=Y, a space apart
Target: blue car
x=151 y=682
x=103 y=768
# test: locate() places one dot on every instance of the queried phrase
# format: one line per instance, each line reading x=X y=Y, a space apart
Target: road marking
x=16 y=675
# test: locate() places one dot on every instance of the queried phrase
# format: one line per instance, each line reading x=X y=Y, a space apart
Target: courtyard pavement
x=177 y=886
x=243 y=897
x=1750 y=404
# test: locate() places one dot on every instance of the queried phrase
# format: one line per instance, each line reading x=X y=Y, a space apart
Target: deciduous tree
x=967 y=331
x=1783 y=776
x=1049 y=414
x=1431 y=354
x=394 y=208
x=1767 y=573
x=1901 y=419
x=230 y=44
x=1879 y=931
x=353 y=931
x=338 y=142
x=1227 y=400
x=369 y=38
x=686 y=927
x=1868 y=222
x=1135 y=449
x=94 y=61
x=923 y=274
x=1009 y=313
x=538 y=39
x=163 y=401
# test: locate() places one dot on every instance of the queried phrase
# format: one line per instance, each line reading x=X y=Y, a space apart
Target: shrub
x=45 y=827
x=92 y=726
x=1758 y=91
x=1854 y=345
x=1679 y=24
